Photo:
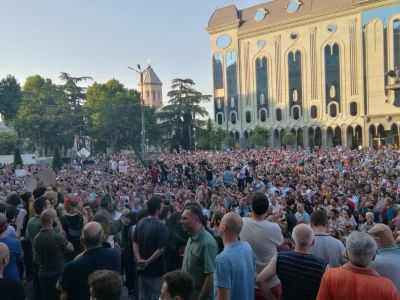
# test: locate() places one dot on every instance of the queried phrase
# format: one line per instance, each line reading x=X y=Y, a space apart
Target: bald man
x=387 y=260
x=74 y=278
x=299 y=272
x=10 y=289
x=234 y=270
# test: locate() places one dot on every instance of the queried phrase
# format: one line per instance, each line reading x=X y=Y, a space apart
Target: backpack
x=74 y=230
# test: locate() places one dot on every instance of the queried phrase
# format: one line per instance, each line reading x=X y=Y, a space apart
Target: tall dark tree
x=178 y=118
x=76 y=96
x=10 y=98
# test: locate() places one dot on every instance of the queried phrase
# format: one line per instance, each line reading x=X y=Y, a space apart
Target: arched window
x=231 y=76
x=333 y=110
x=219 y=119
x=248 y=117
x=332 y=73
x=314 y=112
x=263 y=115
x=296 y=113
x=233 y=117
x=396 y=51
x=218 y=71
x=353 y=109
x=262 y=80
x=295 y=81
x=279 y=114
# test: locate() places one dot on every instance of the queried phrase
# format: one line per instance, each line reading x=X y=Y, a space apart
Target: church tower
x=152 y=89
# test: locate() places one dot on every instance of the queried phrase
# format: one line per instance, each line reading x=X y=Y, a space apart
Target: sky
x=101 y=38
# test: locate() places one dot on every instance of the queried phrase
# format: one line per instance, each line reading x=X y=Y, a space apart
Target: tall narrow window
x=353 y=109
x=263 y=115
x=333 y=110
x=262 y=81
x=219 y=119
x=233 y=118
x=314 y=112
x=279 y=114
x=248 y=117
x=396 y=51
x=295 y=79
x=332 y=73
x=296 y=113
x=218 y=73
x=154 y=95
x=231 y=80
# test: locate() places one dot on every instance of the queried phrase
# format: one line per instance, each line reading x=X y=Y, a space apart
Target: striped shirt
x=300 y=275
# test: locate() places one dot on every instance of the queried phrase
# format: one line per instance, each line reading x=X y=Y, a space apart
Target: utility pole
x=143 y=133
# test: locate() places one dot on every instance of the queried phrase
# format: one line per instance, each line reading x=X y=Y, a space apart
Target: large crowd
x=254 y=224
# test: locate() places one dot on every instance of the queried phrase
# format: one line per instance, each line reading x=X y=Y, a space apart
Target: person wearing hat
x=15 y=250
x=387 y=260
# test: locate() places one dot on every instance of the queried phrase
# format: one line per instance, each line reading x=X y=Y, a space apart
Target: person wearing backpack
x=72 y=222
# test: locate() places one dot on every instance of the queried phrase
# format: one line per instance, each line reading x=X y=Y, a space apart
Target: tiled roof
x=276 y=13
x=150 y=77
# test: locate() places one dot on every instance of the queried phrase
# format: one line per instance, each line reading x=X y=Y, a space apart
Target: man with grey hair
x=299 y=272
x=339 y=283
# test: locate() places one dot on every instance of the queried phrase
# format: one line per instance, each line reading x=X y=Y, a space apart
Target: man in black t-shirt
x=74 y=278
x=9 y=289
x=149 y=241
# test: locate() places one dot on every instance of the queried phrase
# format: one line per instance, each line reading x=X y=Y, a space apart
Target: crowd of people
x=254 y=224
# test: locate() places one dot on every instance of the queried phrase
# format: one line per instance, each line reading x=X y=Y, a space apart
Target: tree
x=45 y=115
x=57 y=162
x=17 y=158
x=76 y=96
x=8 y=142
x=259 y=137
x=114 y=115
x=178 y=118
x=10 y=98
x=289 y=139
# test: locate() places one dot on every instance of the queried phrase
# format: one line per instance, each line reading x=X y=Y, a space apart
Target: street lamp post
x=143 y=133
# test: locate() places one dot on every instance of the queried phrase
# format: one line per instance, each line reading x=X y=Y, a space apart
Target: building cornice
x=225 y=27
x=315 y=18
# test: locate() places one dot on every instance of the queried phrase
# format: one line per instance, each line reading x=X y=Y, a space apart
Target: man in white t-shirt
x=264 y=237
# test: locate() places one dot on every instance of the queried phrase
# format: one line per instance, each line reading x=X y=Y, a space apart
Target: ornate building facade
x=313 y=68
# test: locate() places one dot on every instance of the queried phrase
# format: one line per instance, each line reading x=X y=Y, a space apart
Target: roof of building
x=150 y=77
x=276 y=12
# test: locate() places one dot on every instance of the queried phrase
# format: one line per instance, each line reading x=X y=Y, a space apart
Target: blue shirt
x=234 y=270
x=14 y=246
x=227 y=177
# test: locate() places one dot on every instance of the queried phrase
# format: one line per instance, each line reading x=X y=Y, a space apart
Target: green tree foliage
x=114 y=115
x=76 y=96
x=57 y=162
x=10 y=98
x=260 y=137
x=8 y=142
x=178 y=118
x=17 y=158
x=289 y=139
x=45 y=115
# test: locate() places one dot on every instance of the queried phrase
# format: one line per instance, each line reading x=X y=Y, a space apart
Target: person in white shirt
x=264 y=248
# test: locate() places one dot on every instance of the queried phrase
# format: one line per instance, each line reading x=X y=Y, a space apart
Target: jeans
x=150 y=287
